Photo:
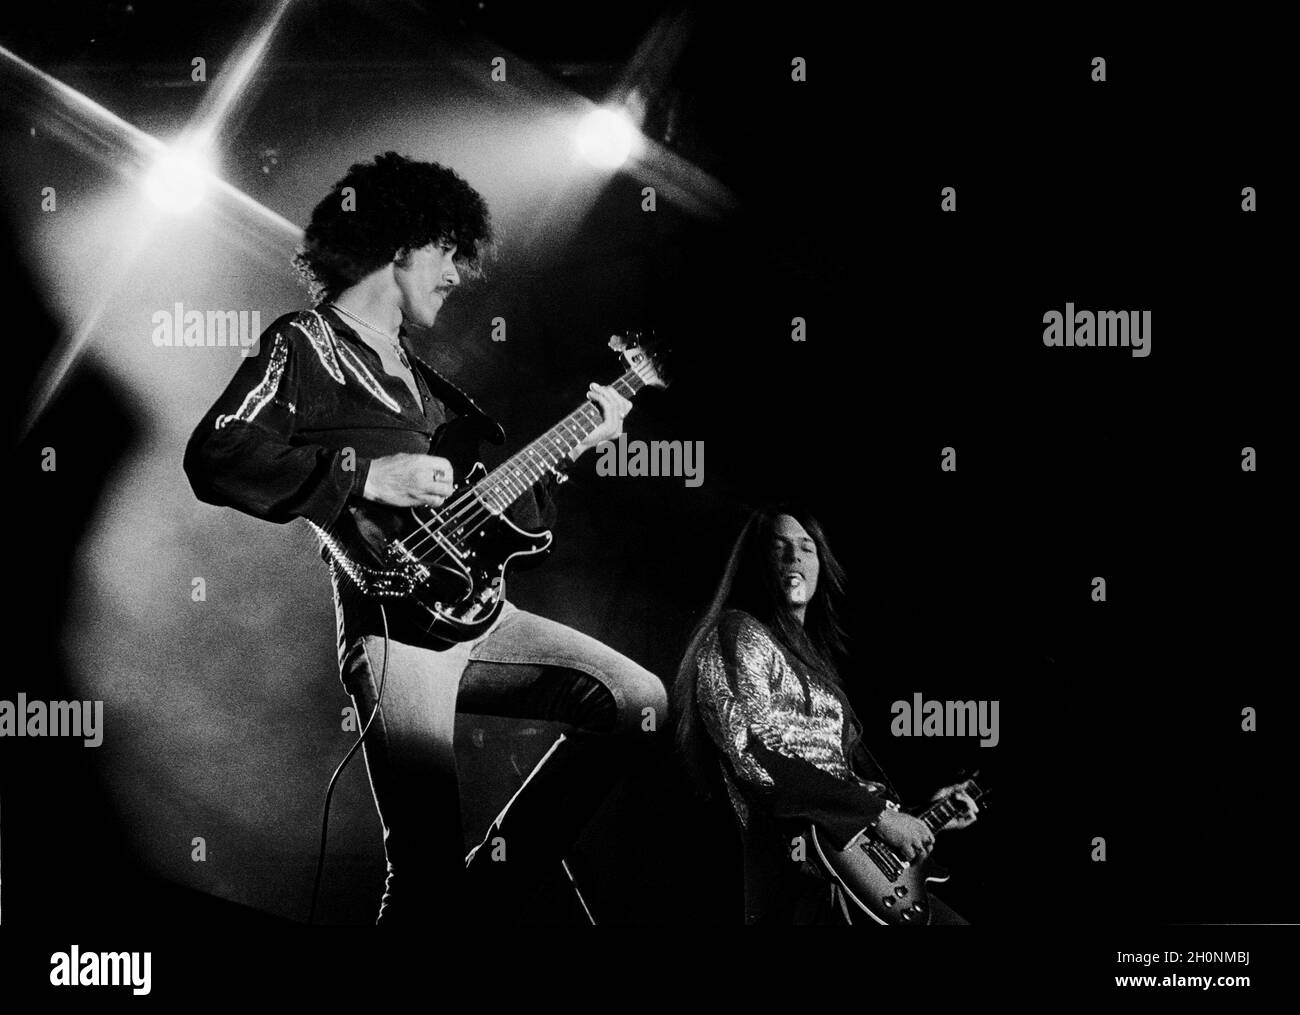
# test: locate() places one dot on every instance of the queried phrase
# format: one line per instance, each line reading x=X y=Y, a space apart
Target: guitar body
x=455 y=593
x=442 y=571
x=878 y=883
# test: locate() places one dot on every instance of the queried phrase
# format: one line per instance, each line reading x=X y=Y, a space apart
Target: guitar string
x=472 y=504
x=938 y=811
x=418 y=550
x=474 y=512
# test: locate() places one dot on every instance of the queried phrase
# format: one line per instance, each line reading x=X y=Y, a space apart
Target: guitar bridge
x=399 y=552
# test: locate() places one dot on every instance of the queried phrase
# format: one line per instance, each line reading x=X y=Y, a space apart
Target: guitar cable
x=329 y=791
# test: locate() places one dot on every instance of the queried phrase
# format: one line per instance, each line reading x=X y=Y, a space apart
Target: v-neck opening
x=420 y=397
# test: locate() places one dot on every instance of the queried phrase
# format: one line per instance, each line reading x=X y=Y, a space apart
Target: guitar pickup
x=402 y=555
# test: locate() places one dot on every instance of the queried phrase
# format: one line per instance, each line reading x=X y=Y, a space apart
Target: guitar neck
x=512 y=478
x=939 y=814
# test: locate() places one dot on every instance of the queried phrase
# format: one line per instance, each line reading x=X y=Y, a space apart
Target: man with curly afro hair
x=337 y=421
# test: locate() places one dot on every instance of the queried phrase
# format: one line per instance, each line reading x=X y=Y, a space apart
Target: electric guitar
x=880 y=883
x=444 y=568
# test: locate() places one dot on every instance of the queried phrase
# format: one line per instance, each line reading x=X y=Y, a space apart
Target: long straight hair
x=749 y=583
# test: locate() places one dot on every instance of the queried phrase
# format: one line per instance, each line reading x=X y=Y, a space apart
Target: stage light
x=178 y=179
x=606 y=138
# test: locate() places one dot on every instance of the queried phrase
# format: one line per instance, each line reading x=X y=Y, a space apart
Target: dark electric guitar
x=444 y=569
x=880 y=883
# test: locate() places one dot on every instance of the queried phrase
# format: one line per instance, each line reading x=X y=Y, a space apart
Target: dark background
x=1119 y=719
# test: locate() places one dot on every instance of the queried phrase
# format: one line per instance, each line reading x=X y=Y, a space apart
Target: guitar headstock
x=642 y=352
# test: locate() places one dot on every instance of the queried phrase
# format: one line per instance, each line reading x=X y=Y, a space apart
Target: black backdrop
x=1120 y=719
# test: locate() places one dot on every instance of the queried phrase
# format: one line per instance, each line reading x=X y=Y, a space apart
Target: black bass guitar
x=445 y=568
x=881 y=884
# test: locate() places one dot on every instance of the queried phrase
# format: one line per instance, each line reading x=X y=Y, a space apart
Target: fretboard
x=512 y=478
x=946 y=809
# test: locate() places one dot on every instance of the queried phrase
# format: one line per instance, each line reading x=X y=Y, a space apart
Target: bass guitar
x=445 y=568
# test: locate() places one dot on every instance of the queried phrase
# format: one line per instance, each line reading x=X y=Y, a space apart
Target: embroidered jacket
x=789 y=742
x=295 y=430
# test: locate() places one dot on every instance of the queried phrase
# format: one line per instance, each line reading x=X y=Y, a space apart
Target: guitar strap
x=459 y=402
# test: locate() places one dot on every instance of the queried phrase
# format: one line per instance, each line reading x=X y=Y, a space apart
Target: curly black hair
x=395 y=204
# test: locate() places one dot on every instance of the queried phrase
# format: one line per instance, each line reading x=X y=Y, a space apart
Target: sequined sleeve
x=747 y=691
x=781 y=738
x=243 y=453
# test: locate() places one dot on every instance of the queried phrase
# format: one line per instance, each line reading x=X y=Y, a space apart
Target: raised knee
x=645 y=703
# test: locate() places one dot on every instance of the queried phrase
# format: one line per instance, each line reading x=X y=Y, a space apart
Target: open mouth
x=796 y=589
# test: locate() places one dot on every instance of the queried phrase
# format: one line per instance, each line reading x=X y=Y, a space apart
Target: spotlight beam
x=94 y=120
x=606 y=138
x=232 y=82
x=696 y=189
x=141 y=149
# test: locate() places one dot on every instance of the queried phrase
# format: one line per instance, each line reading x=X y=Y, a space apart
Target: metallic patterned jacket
x=789 y=742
